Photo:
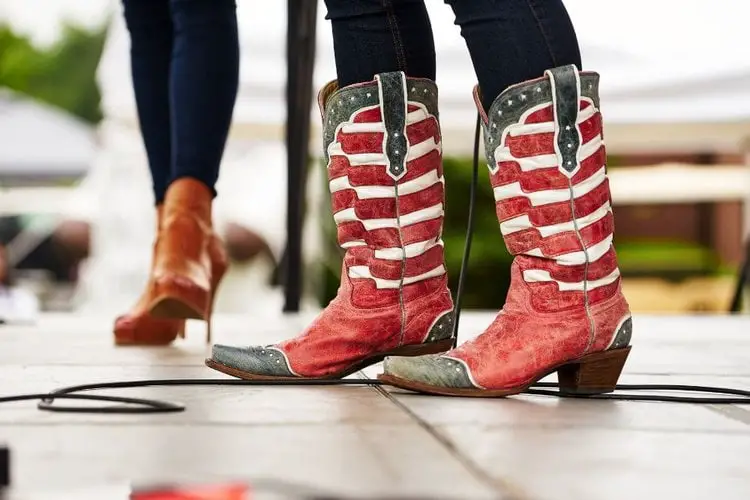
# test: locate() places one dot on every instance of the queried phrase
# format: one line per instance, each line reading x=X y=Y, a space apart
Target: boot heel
x=593 y=374
x=214 y=291
x=178 y=299
x=219 y=268
x=209 y=318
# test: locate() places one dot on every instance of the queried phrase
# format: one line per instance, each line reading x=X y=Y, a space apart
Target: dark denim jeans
x=185 y=67
x=510 y=41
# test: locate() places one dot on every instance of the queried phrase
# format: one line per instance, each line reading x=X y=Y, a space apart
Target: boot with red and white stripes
x=565 y=310
x=383 y=147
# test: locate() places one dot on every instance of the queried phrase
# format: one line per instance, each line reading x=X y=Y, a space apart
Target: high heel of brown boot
x=595 y=373
x=176 y=297
x=219 y=266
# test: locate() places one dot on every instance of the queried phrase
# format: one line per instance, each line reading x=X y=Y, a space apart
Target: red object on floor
x=223 y=492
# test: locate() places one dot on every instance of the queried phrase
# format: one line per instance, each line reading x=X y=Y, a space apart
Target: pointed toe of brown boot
x=143 y=329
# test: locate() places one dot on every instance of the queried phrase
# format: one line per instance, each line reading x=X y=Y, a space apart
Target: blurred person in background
x=185 y=68
x=184 y=65
x=116 y=196
x=179 y=120
x=29 y=246
x=111 y=213
x=565 y=309
x=59 y=252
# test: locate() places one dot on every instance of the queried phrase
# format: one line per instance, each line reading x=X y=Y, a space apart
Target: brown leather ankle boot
x=188 y=264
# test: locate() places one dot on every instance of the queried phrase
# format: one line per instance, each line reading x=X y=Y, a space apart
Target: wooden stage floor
x=366 y=442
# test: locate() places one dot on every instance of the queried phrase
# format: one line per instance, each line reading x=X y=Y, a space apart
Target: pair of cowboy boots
x=565 y=310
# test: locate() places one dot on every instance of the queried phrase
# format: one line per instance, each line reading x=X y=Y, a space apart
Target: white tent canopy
x=37 y=140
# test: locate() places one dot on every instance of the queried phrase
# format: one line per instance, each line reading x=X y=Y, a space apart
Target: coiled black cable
x=143 y=405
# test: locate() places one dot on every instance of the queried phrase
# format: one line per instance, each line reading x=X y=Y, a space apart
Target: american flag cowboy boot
x=565 y=310
x=383 y=148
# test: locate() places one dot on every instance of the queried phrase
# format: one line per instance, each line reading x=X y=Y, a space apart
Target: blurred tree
x=63 y=75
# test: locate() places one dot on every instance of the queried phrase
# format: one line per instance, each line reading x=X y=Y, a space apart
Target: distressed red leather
x=538 y=329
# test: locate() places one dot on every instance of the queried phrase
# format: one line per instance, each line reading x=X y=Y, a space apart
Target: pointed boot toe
x=423 y=372
x=250 y=363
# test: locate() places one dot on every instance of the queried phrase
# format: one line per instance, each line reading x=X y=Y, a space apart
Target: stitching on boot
x=565 y=84
x=396 y=150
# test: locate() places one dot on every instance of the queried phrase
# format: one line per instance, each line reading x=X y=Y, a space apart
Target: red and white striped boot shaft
x=383 y=150
x=565 y=310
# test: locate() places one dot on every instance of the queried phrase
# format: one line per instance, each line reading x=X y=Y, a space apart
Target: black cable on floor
x=143 y=405
x=469 y=232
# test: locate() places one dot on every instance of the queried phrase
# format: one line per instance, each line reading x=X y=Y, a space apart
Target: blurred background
x=76 y=217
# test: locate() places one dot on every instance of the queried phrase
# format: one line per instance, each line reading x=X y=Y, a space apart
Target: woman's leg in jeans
x=187 y=93
x=203 y=88
x=511 y=41
x=378 y=36
x=150 y=26
x=185 y=66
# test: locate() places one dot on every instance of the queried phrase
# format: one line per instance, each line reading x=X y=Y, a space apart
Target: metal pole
x=301 y=21
x=743 y=277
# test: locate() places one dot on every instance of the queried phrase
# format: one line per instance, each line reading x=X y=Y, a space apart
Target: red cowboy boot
x=383 y=148
x=565 y=310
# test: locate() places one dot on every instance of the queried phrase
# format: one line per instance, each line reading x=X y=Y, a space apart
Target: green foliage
x=63 y=75
x=488 y=275
x=668 y=259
